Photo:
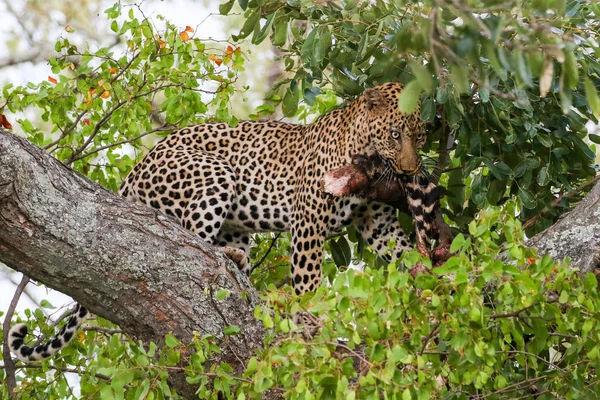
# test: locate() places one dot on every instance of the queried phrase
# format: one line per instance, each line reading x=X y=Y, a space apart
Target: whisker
x=382 y=175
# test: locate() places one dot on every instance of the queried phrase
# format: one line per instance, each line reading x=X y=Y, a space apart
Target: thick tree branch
x=123 y=261
x=575 y=235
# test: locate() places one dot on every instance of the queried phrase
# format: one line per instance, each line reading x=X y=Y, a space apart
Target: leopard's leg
x=378 y=225
x=307 y=240
x=237 y=245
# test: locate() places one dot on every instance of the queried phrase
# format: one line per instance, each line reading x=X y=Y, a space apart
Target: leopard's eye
x=395 y=134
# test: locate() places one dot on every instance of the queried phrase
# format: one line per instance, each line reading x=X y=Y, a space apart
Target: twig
x=273 y=241
x=20 y=21
x=54 y=367
x=26 y=292
x=443 y=150
x=512 y=314
x=67 y=313
x=562 y=335
x=555 y=203
x=526 y=353
x=283 y=282
x=513 y=387
x=496 y=92
x=102 y=329
x=433 y=332
x=108 y=146
x=485 y=31
x=9 y=365
x=519 y=312
x=433 y=33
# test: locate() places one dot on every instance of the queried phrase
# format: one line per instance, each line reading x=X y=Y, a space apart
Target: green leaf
x=460 y=77
x=252 y=365
x=571 y=70
x=340 y=251
x=289 y=105
x=494 y=169
x=490 y=51
x=362 y=45
x=46 y=304
x=322 y=45
x=225 y=7
x=591 y=283
x=427 y=109
x=523 y=68
x=564 y=297
x=409 y=98
x=422 y=75
x=544 y=139
x=591 y=95
x=542 y=178
x=307 y=51
x=527 y=198
x=280 y=28
x=142 y=391
x=171 y=340
x=583 y=146
x=249 y=26
x=260 y=35
x=475 y=314
x=232 y=330
x=594 y=138
x=222 y=294
x=457 y=243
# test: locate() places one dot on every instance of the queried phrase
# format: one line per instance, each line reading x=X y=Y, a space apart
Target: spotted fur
x=224 y=183
x=17 y=334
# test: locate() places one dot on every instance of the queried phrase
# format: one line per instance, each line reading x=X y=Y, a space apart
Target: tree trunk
x=575 y=235
x=123 y=261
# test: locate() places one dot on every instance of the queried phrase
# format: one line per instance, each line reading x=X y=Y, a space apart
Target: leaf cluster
x=507 y=87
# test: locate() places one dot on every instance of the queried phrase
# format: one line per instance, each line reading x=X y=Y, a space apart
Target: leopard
x=225 y=183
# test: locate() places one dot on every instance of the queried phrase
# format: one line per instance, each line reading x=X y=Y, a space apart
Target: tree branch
x=9 y=365
x=575 y=235
x=123 y=261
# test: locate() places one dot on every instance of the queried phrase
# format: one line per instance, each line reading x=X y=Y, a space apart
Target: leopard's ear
x=374 y=98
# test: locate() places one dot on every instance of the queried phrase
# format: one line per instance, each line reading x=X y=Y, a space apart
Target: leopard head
x=396 y=137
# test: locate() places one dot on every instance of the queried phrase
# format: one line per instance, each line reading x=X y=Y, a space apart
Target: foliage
x=98 y=101
x=477 y=326
x=510 y=86
x=525 y=327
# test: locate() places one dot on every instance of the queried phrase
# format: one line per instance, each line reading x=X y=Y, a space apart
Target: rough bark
x=575 y=235
x=123 y=261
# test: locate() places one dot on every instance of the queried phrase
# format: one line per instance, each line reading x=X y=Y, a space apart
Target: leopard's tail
x=423 y=199
x=16 y=338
